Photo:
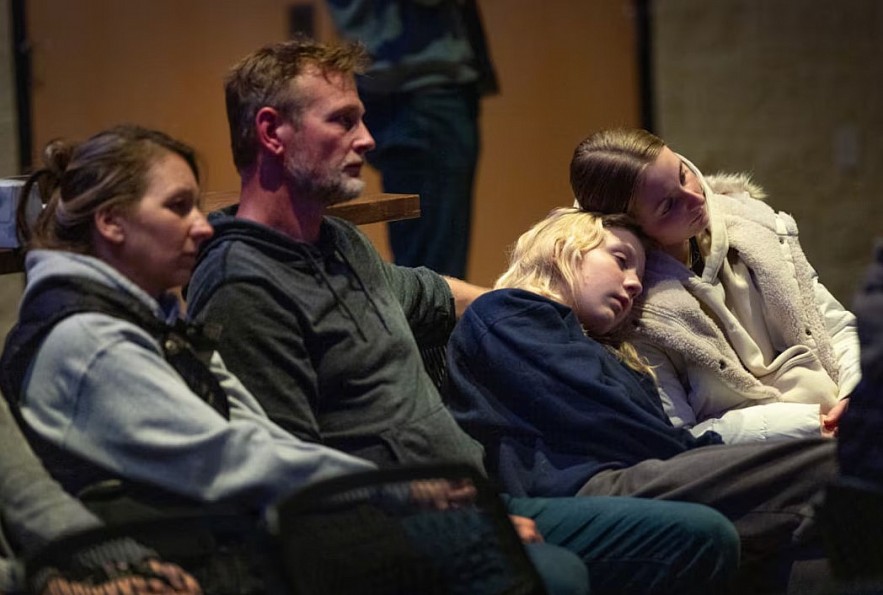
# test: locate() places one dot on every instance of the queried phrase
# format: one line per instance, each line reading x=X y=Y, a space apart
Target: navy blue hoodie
x=551 y=406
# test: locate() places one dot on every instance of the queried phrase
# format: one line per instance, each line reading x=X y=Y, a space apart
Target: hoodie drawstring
x=364 y=289
x=320 y=273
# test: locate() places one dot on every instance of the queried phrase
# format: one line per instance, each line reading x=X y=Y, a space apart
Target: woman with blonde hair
x=541 y=376
x=743 y=338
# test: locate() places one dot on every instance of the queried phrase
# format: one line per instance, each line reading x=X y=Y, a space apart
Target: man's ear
x=110 y=225
x=268 y=122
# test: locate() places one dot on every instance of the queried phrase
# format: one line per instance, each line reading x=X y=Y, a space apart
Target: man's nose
x=364 y=141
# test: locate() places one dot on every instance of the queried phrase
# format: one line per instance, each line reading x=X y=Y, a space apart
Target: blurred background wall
x=788 y=90
x=10 y=285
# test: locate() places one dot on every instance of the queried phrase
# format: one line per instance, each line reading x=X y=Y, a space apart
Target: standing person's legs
x=639 y=546
x=427 y=143
x=768 y=490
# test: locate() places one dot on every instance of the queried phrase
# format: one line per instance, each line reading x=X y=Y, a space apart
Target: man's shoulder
x=348 y=237
x=239 y=248
x=229 y=257
x=222 y=259
x=347 y=240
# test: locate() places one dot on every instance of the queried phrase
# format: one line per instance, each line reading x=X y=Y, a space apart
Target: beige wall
x=789 y=91
x=566 y=66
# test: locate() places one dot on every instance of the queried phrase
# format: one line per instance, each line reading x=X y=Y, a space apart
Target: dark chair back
x=229 y=554
x=428 y=530
x=852 y=521
x=436 y=364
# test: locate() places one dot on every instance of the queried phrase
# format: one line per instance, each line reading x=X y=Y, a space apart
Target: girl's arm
x=772 y=421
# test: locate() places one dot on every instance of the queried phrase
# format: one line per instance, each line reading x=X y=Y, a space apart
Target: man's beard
x=326 y=187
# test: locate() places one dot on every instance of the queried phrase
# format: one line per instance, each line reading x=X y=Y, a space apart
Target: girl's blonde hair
x=546 y=260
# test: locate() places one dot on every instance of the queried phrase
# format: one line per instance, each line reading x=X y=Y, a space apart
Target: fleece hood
x=229 y=229
x=232 y=249
x=44 y=265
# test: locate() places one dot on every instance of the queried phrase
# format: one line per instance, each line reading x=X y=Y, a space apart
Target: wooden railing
x=371 y=208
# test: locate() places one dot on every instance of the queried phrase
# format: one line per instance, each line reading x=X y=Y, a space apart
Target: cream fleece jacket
x=756 y=347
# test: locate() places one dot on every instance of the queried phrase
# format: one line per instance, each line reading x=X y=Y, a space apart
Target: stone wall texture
x=789 y=91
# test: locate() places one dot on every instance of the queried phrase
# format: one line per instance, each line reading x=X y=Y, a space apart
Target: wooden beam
x=371 y=208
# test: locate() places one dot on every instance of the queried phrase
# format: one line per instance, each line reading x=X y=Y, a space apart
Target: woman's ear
x=110 y=225
x=268 y=122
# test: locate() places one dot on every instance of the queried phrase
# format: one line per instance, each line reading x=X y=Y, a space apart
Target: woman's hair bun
x=57 y=156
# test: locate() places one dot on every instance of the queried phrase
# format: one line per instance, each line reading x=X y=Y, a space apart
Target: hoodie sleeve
x=772 y=421
x=424 y=295
x=100 y=388
x=11 y=576
x=552 y=406
x=841 y=324
x=427 y=301
x=838 y=321
x=35 y=508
